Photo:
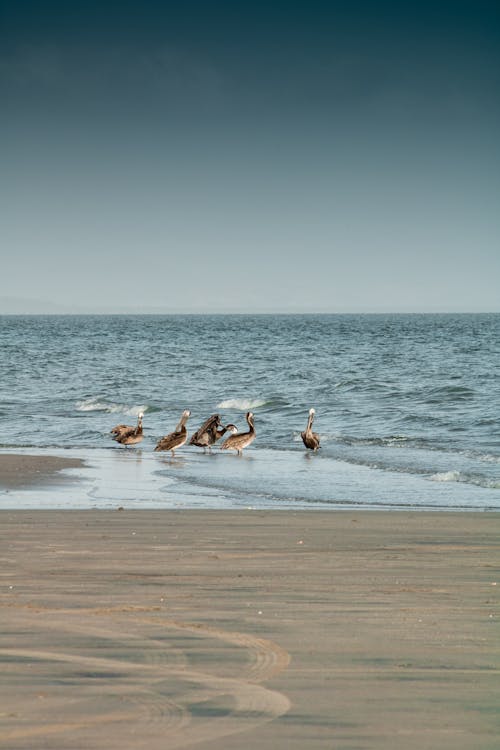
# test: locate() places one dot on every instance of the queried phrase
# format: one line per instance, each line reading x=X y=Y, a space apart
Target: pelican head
x=312 y=412
x=185 y=416
x=231 y=428
x=140 y=415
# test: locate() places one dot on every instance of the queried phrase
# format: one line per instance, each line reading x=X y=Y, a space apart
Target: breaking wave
x=446 y=476
x=457 y=476
x=93 y=404
x=243 y=404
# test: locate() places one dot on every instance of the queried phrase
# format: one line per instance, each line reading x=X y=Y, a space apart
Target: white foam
x=489 y=458
x=456 y=476
x=93 y=404
x=446 y=476
x=242 y=404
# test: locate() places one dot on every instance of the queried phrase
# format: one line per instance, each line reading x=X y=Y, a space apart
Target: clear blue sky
x=250 y=156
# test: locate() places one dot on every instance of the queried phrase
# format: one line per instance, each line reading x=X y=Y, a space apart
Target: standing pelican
x=310 y=438
x=126 y=435
x=239 y=441
x=177 y=438
x=208 y=434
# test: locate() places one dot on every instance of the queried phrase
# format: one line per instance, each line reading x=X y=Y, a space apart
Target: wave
x=450 y=393
x=403 y=463
x=447 y=476
x=457 y=476
x=243 y=404
x=487 y=458
x=93 y=404
x=389 y=440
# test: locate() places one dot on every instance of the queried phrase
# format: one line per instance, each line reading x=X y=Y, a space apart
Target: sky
x=250 y=157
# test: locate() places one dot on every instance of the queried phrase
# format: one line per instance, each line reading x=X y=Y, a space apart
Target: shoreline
x=230 y=629
x=84 y=479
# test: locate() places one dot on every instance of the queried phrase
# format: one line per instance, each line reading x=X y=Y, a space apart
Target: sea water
x=407 y=408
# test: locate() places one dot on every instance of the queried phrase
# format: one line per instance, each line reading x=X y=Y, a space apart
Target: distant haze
x=249 y=157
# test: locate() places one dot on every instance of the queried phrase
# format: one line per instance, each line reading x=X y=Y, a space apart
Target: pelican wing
x=173 y=440
x=120 y=428
x=201 y=439
x=238 y=442
x=310 y=440
x=206 y=434
x=228 y=443
x=125 y=433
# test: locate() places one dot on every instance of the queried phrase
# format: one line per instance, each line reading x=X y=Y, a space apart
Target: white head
x=140 y=415
x=312 y=412
x=232 y=429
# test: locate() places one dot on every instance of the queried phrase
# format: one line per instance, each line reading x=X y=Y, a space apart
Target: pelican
x=208 y=434
x=177 y=438
x=310 y=438
x=239 y=441
x=127 y=435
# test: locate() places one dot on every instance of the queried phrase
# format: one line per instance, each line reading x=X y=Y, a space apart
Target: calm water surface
x=407 y=407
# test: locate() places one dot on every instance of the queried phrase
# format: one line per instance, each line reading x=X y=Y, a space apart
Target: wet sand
x=231 y=630
x=24 y=470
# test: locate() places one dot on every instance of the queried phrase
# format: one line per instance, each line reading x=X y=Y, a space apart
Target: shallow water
x=406 y=406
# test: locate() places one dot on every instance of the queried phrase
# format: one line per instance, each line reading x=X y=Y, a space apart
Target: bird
x=310 y=438
x=175 y=439
x=126 y=435
x=208 y=434
x=240 y=440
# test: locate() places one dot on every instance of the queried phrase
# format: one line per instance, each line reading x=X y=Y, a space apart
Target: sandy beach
x=243 y=629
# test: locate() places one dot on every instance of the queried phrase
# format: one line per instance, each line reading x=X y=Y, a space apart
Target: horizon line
x=245 y=312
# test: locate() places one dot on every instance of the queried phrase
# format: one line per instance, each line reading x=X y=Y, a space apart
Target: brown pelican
x=177 y=438
x=127 y=435
x=239 y=441
x=310 y=438
x=208 y=434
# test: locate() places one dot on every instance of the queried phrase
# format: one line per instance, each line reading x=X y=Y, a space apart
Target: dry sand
x=244 y=629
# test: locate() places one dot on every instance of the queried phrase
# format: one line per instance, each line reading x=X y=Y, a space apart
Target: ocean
x=407 y=408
